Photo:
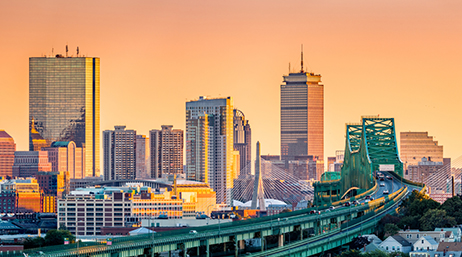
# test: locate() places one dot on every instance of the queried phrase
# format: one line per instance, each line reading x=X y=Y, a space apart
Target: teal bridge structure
x=370 y=146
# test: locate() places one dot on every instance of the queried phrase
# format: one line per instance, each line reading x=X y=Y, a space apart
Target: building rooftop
x=3 y=134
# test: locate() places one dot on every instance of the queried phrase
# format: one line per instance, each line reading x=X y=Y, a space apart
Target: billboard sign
x=386 y=167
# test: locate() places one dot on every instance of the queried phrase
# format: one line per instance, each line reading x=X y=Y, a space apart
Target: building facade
x=243 y=142
x=64 y=103
x=87 y=210
x=302 y=116
x=29 y=163
x=142 y=156
x=166 y=151
x=209 y=144
x=119 y=147
x=7 y=149
x=26 y=192
x=416 y=145
x=67 y=157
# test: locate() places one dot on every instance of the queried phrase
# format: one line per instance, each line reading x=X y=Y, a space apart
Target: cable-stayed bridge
x=370 y=146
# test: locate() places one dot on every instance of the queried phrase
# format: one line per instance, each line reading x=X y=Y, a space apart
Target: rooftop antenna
x=289 y=67
x=77 y=51
x=67 y=50
x=301 y=71
x=52 y=51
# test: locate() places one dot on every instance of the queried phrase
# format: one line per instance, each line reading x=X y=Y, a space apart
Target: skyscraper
x=209 y=144
x=64 y=103
x=119 y=148
x=243 y=141
x=302 y=115
x=7 y=149
x=166 y=151
x=142 y=156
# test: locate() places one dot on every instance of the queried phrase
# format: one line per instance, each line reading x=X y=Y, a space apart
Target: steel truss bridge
x=369 y=145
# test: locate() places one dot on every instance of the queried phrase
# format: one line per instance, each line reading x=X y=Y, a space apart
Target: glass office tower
x=65 y=105
x=302 y=116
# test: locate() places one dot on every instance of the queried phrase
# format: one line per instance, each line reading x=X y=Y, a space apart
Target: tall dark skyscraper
x=302 y=115
x=64 y=103
x=243 y=141
x=119 y=149
x=166 y=151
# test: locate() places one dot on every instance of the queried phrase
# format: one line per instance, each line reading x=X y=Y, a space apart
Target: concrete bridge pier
x=207 y=249
x=281 y=240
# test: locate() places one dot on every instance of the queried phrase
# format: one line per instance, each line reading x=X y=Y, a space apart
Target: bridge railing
x=406 y=181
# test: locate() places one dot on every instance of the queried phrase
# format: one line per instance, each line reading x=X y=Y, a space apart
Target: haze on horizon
x=396 y=59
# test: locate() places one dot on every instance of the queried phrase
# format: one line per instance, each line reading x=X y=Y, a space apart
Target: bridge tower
x=258 y=192
x=370 y=146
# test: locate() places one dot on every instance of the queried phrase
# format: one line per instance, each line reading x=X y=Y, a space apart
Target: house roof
x=430 y=240
x=141 y=230
x=450 y=246
x=401 y=240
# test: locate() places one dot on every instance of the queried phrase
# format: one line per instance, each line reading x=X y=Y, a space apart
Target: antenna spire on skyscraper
x=301 y=70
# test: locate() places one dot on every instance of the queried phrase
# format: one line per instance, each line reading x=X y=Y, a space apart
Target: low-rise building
x=439 y=236
x=395 y=243
x=425 y=243
x=86 y=210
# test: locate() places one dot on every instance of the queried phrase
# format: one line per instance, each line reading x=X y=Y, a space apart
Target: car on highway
x=388 y=177
x=381 y=179
x=368 y=197
x=355 y=202
x=347 y=204
x=385 y=192
x=332 y=208
x=315 y=212
x=192 y=232
x=382 y=184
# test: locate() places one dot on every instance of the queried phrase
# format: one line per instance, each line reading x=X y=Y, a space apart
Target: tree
x=453 y=208
x=56 y=237
x=417 y=204
x=34 y=242
x=359 y=242
x=386 y=220
x=409 y=222
x=436 y=218
x=390 y=230
x=351 y=253
x=376 y=253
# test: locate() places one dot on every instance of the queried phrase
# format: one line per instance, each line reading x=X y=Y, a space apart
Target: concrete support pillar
x=262 y=243
x=152 y=252
x=224 y=247
x=301 y=233
x=198 y=251
x=185 y=251
x=236 y=249
x=241 y=244
x=169 y=253
x=207 y=249
x=281 y=240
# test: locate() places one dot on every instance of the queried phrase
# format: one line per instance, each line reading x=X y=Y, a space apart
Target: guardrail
x=169 y=237
x=366 y=222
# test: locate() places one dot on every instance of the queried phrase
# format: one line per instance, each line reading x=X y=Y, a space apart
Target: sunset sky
x=400 y=59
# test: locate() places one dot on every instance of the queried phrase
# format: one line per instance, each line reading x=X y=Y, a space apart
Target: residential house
x=413 y=236
x=426 y=243
x=395 y=243
x=456 y=233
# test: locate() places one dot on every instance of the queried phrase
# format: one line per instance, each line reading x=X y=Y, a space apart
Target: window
x=393 y=248
x=422 y=242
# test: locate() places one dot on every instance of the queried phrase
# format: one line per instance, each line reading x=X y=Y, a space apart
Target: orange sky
x=399 y=59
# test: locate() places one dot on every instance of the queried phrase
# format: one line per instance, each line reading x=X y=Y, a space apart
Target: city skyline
x=402 y=64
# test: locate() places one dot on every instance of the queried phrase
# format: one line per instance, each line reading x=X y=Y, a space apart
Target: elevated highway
x=300 y=233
